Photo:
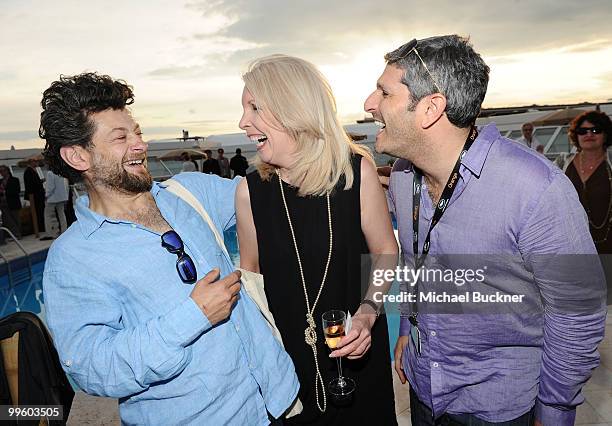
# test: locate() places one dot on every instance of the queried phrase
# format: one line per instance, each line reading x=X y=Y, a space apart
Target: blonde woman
x=305 y=216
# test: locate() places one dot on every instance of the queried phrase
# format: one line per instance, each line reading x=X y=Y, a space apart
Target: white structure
x=554 y=138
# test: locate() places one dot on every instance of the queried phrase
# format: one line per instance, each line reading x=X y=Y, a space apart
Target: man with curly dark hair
x=127 y=319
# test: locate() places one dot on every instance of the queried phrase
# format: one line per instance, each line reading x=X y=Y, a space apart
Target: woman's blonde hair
x=299 y=98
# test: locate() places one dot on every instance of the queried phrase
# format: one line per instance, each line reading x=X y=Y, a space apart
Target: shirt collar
x=476 y=156
x=90 y=221
x=474 y=159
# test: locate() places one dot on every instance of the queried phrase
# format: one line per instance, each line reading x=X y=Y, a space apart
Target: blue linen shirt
x=125 y=326
x=512 y=202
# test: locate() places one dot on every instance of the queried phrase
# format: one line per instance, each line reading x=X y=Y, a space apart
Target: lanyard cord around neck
x=441 y=206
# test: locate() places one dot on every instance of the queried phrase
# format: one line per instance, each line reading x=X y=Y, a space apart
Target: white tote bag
x=252 y=282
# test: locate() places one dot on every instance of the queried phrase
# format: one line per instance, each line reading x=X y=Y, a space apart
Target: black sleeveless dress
x=373 y=400
x=595 y=196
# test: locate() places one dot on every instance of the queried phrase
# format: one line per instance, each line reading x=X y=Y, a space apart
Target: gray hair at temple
x=459 y=72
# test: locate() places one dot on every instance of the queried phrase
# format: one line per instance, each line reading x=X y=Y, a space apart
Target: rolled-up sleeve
x=102 y=356
x=557 y=247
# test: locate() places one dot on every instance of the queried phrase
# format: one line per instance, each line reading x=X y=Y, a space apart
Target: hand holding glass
x=334 y=323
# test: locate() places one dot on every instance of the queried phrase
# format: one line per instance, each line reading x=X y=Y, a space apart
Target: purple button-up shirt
x=510 y=201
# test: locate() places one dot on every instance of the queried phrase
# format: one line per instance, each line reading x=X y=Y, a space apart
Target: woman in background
x=10 y=203
x=591 y=173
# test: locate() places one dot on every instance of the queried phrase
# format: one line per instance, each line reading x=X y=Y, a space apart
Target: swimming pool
x=27 y=295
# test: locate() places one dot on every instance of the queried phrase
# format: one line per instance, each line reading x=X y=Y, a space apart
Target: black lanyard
x=441 y=206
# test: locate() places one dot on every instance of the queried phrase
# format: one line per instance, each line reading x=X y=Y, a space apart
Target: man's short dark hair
x=238 y=151
x=460 y=73
x=67 y=104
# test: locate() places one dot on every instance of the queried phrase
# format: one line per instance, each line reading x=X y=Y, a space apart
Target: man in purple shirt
x=464 y=197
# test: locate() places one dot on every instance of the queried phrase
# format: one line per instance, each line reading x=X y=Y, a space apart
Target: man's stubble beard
x=407 y=141
x=114 y=176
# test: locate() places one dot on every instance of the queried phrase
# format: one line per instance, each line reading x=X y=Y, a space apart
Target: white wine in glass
x=334 y=323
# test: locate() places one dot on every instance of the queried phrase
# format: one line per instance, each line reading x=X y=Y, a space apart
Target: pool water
x=27 y=295
x=24 y=296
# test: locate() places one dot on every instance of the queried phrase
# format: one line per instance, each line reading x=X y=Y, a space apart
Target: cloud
x=195 y=128
x=178 y=71
x=185 y=58
x=310 y=27
x=590 y=46
x=20 y=139
x=19 y=135
x=160 y=129
x=204 y=122
x=606 y=79
x=7 y=75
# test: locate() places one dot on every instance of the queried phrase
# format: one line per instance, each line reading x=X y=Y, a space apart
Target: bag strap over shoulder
x=183 y=193
x=252 y=281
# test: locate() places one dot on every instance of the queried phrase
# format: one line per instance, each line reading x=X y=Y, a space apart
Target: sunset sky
x=184 y=58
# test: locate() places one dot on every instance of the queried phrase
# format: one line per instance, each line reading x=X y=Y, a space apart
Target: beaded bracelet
x=371 y=304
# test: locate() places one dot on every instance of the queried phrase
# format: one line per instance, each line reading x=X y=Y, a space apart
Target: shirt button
x=433 y=333
x=67 y=363
x=435 y=365
x=237 y=327
x=133 y=225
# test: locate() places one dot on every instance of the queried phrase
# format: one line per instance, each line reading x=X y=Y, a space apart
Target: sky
x=184 y=58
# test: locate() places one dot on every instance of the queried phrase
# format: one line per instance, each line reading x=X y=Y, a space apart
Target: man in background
x=239 y=164
x=527 y=137
x=224 y=166
x=188 y=164
x=34 y=193
x=56 y=198
x=10 y=201
x=211 y=165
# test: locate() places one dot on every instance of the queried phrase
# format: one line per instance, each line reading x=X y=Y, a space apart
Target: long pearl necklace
x=608 y=219
x=310 y=334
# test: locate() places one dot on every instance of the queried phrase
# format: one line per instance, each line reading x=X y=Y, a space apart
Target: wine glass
x=333 y=328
